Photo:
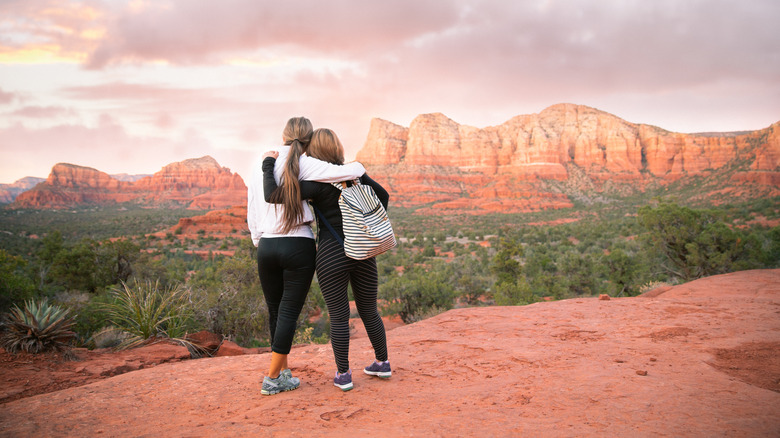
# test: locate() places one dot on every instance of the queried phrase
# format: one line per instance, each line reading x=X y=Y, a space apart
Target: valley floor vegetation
x=99 y=278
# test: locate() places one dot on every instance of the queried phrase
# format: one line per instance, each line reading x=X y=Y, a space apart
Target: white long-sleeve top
x=265 y=219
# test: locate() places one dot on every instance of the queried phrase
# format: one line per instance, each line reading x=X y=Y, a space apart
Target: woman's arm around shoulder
x=269 y=182
x=312 y=169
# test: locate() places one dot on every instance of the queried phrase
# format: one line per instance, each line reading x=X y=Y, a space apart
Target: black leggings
x=334 y=272
x=286 y=267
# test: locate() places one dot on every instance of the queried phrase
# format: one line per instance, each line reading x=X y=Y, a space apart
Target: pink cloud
x=198 y=31
x=70 y=26
x=43 y=112
x=479 y=62
x=499 y=47
x=107 y=147
x=6 y=97
x=126 y=91
x=164 y=121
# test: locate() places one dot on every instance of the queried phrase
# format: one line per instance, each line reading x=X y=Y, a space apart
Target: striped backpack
x=367 y=229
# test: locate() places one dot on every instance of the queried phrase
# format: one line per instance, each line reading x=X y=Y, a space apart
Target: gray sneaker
x=287 y=372
x=343 y=381
x=282 y=383
x=379 y=369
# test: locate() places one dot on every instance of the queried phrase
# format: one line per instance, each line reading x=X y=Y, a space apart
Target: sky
x=130 y=86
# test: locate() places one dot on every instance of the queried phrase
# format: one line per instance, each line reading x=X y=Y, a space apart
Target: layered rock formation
x=529 y=163
x=201 y=183
x=503 y=168
x=230 y=222
x=196 y=183
x=9 y=192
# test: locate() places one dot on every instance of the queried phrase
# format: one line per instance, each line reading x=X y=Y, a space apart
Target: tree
x=51 y=244
x=517 y=293
x=15 y=285
x=694 y=243
x=77 y=267
x=511 y=288
x=622 y=272
x=118 y=257
x=419 y=293
x=577 y=273
x=230 y=300
x=505 y=263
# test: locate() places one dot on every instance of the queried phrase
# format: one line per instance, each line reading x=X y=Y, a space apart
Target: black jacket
x=323 y=195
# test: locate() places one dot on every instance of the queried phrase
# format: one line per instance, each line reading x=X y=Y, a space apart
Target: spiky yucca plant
x=38 y=327
x=144 y=311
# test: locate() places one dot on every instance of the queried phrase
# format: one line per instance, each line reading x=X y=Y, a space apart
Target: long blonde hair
x=326 y=146
x=297 y=134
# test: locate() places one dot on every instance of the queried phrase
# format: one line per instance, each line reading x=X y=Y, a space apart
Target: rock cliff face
x=197 y=183
x=9 y=192
x=201 y=183
x=529 y=163
x=505 y=167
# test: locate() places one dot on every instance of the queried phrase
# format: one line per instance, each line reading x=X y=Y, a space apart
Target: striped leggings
x=334 y=272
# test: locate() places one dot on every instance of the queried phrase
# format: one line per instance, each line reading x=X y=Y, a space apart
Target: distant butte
x=529 y=163
x=453 y=168
x=195 y=183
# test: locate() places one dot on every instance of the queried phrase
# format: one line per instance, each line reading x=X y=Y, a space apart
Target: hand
x=272 y=154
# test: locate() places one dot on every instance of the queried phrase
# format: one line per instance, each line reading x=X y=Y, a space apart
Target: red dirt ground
x=699 y=359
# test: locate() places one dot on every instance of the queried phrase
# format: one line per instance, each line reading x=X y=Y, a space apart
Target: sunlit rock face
x=196 y=183
x=9 y=192
x=445 y=166
x=529 y=163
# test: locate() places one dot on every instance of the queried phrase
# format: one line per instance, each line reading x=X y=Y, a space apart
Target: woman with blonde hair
x=335 y=271
x=285 y=242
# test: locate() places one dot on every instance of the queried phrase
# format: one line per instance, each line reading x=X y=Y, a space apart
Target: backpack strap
x=343 y=184
x=327 y=224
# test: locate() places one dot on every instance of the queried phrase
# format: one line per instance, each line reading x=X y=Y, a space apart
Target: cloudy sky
x=130 y=86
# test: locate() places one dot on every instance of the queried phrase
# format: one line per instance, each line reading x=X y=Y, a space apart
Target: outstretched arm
x=312 y=169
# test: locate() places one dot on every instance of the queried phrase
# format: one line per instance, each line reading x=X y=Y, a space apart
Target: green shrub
x=144 y=311
x=232 y=301
x=89 y=316
x=515 y=293
x=690 y=244
x=38 y=327
x=419 y=290
x=15 y=285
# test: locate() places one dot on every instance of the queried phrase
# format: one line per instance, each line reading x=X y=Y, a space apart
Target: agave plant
x=38 y=327
x=145 y=311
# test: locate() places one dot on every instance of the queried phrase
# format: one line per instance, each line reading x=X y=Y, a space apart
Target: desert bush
x=306 y=335
x=511 y=287
x=145 y=310
x=694 y=243
x=647 y=287
x=15 y=285
x=232 y=301
x=513 y=293
x=621 y=271
x=38 y=327
x=414 y=294
x=89 y=317
x=107 y=337
x=86 y=265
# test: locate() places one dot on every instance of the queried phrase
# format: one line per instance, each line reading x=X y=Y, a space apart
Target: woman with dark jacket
x=335 y=271
x=285 y=243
